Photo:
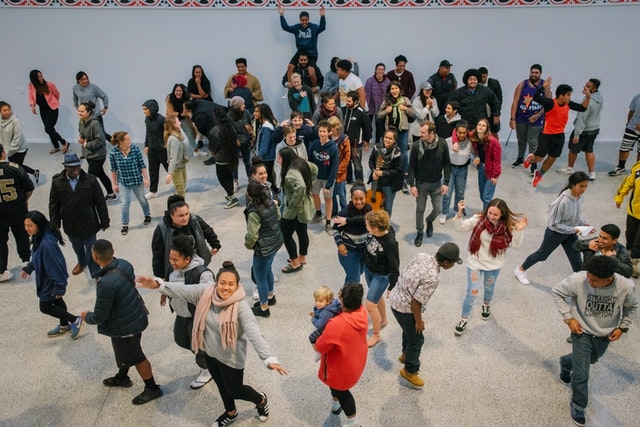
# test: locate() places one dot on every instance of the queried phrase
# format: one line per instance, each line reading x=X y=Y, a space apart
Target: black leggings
x=156 y=158
x=18 y=158
x=58 y=309
x=96 y=169
x=271 y=176
x=347 y=402
x=49 y=119
x=230 y=384
x=288 y=227
x=225 y=177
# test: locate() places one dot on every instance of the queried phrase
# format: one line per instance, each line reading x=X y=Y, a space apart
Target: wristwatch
x=624 y=330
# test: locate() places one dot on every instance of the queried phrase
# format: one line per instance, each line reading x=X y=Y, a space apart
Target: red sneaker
x=537 y=177
x=527 y=161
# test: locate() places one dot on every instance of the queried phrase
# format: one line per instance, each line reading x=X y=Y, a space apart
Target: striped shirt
x=127 y=168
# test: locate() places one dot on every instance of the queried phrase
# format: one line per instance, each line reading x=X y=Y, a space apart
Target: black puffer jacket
x=119 y=309
x=82 y=212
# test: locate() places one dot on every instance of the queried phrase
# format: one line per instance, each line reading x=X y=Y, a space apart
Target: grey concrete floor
x=501 y=372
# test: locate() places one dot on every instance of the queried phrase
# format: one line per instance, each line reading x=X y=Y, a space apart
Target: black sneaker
x=486 y=312
x=272 y=301
x=617 y=171
x=418 y=240
x=210 y=161
x=225 y=419
x=258 y=311
x=405 y=188
x=124 y=230
x=518 y=162
x=147 y=220
x=147 y=396
x=460 y=327
x=565 y=374
x=111 y=197
x=577 y=416
x=263 y=409
x=429 y=228
x=117 y=382
x=36 y=175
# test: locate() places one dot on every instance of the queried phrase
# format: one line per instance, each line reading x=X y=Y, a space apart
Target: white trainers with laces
x=442 y=219
x=6 y=276
x=521 y=276
x=566 y=171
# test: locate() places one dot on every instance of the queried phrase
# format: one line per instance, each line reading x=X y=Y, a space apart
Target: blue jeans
x=550 y=242
x=586 y=350
x=389 y=195
x=474 y=281
x=427 y=189
x=125 y=193
x=403 y=145
x=485 y=187
x=352 y=264
x=411 y=341
x=339 y=196
x=457 y=183
x=82 y=247
x=377 y=284
x=263 y=275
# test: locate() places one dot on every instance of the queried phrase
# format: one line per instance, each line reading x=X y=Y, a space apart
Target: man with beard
x=527 y=116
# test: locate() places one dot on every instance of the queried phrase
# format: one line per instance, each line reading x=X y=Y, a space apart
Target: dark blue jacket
x=50 y=267
x=322 y=316
x=119 y=309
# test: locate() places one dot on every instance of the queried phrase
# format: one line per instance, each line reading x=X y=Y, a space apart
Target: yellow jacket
x=629 y=185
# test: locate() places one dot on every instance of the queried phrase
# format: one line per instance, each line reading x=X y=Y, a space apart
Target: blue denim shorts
x=377 y=284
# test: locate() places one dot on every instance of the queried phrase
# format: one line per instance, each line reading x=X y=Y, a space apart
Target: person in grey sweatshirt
x=84 y=91
x=586 y=128
x=600 y=307
x=12 y=138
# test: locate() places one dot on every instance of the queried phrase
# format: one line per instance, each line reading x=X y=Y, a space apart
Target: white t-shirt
x=352 y=82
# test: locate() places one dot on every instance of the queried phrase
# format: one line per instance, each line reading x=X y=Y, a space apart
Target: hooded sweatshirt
x=154 y=137
x=326 y=157
x=343 y=345
x=11 y=136
x=589 y=121
x=91 y=131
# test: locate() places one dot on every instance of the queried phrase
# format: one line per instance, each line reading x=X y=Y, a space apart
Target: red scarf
x=500 y=237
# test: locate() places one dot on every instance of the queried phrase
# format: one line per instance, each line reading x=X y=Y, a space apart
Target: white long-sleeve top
x=483 y=259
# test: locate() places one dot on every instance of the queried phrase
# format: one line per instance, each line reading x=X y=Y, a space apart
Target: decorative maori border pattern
x=266 y=4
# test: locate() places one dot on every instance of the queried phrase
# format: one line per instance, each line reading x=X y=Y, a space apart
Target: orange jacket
x=344 y=148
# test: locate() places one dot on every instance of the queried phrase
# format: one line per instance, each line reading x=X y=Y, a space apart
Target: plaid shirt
x=127 y=168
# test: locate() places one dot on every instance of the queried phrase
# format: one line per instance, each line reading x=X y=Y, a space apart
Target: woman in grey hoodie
x=94 y=145
x=13 y=140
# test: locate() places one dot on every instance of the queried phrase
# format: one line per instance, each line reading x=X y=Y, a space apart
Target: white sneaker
x=521 y=276
x=592 y=176
x=6 y=276
x=566 y=171
x=255 y=295
x=442 y=219
x=150 y=195
x=202 y=379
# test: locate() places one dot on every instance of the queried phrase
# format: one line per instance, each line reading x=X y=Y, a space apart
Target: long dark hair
x=43 y=225
x=575 y=179
x=389 y=98
x=290 y=160
x=185 y=94
x=204 y=81
x=228 y=137
x=258 y=196
x=266 y=115
x=42 y=88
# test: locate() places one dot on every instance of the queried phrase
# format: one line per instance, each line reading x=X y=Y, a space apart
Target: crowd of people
x=422 y=138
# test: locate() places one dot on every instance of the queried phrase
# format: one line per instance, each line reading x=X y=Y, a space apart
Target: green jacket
x=296 y=202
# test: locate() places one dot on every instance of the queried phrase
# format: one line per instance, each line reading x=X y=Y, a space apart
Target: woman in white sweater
x=494 y=231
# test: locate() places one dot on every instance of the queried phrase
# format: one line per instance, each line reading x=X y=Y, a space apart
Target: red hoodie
x=343 y=345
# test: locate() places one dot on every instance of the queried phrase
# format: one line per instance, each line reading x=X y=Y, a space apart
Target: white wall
x=138 y=54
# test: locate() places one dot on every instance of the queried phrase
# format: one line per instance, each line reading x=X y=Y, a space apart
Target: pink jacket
x=53 y=98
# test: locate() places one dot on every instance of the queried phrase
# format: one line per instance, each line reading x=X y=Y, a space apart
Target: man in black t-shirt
x=15 y=190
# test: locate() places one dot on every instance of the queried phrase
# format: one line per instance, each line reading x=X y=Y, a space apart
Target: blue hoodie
x=326 y=157
x=50 y=267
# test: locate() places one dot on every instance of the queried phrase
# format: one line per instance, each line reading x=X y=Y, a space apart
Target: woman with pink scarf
x=222 y=326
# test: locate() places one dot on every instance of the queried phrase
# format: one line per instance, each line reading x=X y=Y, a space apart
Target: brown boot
x=79 y=268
